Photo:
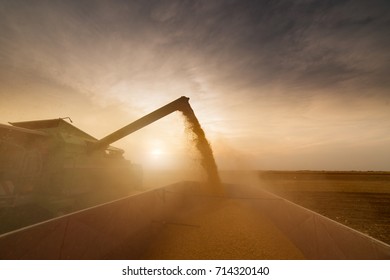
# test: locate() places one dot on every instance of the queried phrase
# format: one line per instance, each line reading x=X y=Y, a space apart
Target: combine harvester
x=53 y=166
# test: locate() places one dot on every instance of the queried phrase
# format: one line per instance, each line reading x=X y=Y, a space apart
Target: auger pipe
x=179 y=104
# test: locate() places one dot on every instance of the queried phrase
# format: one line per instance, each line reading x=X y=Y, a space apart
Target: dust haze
x=291 y=84
x=290 y=105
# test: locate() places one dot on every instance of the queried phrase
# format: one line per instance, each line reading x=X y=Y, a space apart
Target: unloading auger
x=179 y=104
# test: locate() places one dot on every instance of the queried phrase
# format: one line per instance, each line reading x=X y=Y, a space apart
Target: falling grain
x=207 y=160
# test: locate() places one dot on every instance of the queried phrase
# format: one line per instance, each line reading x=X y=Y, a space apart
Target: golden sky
x=275 y=84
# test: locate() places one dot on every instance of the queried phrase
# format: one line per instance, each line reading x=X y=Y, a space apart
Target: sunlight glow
x=156 y=153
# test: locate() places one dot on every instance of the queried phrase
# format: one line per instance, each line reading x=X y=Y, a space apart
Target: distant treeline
x=354 y=172
x=325 y=175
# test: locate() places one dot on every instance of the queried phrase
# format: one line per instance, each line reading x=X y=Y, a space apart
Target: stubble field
x=360 y=200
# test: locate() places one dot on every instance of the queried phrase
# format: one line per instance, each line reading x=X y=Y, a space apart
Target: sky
x=281 y=85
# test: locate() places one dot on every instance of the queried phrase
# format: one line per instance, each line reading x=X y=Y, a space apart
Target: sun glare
x=156 y=152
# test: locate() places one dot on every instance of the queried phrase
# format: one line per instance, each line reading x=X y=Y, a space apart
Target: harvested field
x=360 y=200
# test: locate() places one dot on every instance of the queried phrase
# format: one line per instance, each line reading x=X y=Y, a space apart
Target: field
x=360 y=200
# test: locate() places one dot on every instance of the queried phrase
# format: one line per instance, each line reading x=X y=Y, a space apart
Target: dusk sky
x=285 y=85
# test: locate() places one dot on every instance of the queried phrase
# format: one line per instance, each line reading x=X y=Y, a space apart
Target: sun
x=158 y=155
x=156 y=152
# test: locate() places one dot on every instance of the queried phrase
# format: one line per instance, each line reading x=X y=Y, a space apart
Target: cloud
x=305 y=45
x=257 y=71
